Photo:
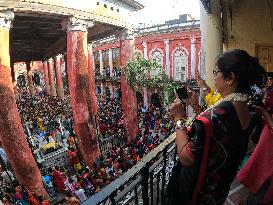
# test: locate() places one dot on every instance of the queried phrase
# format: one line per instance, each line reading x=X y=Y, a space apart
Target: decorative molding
x=154 y=50
x=76 y=24
x=6 y=19
x=180 y=48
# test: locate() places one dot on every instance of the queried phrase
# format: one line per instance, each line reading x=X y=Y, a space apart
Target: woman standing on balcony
x=212 y=149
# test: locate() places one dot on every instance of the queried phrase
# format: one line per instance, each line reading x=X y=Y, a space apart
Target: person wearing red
x=257 y=173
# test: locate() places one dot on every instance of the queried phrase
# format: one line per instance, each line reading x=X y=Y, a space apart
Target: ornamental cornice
x=6 y=19
x=76 y=24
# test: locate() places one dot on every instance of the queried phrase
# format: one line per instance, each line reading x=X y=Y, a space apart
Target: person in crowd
x=257 y=173
x=71 y=200
x=80 y=194
x=210 y=151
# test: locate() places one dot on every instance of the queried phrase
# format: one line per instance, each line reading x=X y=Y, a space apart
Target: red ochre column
x=79 y=88
x=51 y=77
x=59 y=79
x=47 y=86
x=92 y=80
x=12 y=134
x=29 y=79
x=129 y=101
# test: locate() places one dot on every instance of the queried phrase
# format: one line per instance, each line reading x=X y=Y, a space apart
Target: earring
x=228 y=83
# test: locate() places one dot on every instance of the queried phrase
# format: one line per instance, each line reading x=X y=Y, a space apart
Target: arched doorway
x=21 y=81
x=36 y=79
x=107 y=91
x=118 y=94
x=156 y=100
x=98 y=90
x=139 y=98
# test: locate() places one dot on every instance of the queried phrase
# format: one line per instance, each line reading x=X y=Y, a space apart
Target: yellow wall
x=251 y=24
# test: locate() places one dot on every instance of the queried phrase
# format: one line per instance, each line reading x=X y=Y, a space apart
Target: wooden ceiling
x=35 y=37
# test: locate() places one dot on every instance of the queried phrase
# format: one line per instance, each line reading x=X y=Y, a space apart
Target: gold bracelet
x=182 y=119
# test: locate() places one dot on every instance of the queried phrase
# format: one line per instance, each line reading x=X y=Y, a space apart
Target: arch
x=156 y=100
x=21 y=81
x=157 y=55
x=139 y=97
x=118 y=94
x=180 y=58
x=36 y=77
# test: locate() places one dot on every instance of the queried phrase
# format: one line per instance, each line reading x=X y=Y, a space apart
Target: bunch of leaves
x=137 y=75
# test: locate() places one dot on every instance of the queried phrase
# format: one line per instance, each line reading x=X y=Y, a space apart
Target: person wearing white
x=80 y=194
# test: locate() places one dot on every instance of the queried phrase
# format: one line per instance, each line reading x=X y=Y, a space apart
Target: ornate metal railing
x=145 y=183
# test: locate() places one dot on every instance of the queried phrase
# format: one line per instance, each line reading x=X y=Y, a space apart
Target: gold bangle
x=182 y=119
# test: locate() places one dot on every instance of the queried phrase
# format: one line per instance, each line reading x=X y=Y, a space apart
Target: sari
x=217 y=144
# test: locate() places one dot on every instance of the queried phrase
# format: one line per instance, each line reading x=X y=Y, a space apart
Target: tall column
x=193 y=58
x=129 y=101
x=12 y=134
x=51 y=77
x=92 y=80
x=211 y=31
x=167 y=47
x=101 y=63
x=79 y=88
x=29 y=79
x=59 y=78
x=145 y=93
x=145 y=53
x=110 y=55
x=145 y=98
x=47 y=86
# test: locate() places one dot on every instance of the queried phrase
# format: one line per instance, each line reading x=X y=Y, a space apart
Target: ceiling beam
x=56 y=48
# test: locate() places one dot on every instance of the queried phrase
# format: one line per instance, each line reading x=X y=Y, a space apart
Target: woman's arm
x=181 y=142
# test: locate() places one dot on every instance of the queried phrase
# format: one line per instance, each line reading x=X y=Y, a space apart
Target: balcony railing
x=145 y=183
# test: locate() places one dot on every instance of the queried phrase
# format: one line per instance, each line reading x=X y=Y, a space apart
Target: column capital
x=125 y=34
x=166 y=41
x=6 y=19
x=76 y=24
x=144 y=43
x=58 y=57
x=193 y=40
x=50 y=60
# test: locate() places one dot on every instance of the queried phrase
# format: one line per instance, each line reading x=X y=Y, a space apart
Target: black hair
x=270 y=75
x=246 y=69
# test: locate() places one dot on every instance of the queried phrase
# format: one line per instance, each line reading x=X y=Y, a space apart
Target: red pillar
x=79 y=88
x=92 y=80
x=59 y=78
x=51 y=77
x=46 y=78
x=129 y=101
x=29 y=79
x=12 y=134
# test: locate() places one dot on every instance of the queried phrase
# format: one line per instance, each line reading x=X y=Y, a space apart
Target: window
x=117 y=10
x=105 y=5
x=98 y=3
x=157 y=56
x=112 y=8
x=180 y=65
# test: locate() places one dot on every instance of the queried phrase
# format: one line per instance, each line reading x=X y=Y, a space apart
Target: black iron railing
x=144 y=183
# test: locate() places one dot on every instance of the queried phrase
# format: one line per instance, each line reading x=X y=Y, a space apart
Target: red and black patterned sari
x=217 y=144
